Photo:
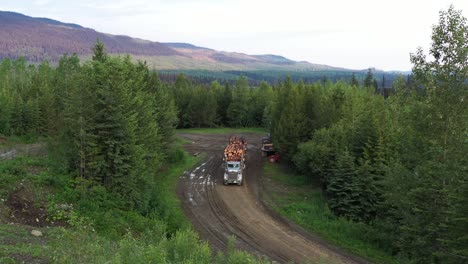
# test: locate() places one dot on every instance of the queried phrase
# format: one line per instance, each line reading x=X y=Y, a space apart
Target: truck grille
x=232 y=176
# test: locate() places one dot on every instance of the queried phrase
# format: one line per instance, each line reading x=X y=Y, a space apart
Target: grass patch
x=98 y=231
x=24 y=169
x=298 y=199
x=283 y=175
x=223 y=130
x=169 y=203
x=9 y=142
x=18 y=246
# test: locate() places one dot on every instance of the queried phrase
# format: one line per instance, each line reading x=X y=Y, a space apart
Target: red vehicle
x=269 y=151
x=274 y=158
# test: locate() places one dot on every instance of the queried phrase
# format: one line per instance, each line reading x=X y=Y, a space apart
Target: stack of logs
x=236 y=149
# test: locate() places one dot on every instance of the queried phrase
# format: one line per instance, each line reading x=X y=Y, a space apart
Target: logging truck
x=269 y=151
x=234 y=160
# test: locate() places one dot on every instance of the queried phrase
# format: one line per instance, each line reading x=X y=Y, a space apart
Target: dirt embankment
x=219 y=212
x=26 y=204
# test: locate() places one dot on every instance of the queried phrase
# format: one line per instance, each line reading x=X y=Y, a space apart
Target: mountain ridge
x=40 y=38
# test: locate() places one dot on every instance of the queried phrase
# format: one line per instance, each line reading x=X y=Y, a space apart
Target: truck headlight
x=225 y=176
x=239 y=177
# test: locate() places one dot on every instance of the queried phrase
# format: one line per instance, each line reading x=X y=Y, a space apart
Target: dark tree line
x=381 y=80
x=237 y=105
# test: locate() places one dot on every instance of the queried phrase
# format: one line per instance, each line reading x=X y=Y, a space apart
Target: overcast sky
x=355 y=34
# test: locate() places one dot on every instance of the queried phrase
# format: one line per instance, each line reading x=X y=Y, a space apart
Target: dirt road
x=219 y=212
x=11 y=152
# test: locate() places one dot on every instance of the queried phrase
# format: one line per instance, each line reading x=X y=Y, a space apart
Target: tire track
x=219 y=212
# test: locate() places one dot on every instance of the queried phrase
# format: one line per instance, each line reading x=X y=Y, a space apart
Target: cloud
x=338 y=32
x=41 y=2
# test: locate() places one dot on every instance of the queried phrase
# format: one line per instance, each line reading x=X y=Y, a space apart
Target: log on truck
x=234 y=158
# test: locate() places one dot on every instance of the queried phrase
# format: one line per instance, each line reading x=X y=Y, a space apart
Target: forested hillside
x=40 y=39
x=395 y=164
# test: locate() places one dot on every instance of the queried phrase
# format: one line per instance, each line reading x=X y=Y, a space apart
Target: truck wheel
x=225 y=183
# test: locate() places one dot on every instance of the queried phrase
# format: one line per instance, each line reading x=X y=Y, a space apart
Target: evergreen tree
x=17 y=121
x=201 y=110
x=383 y=84
x=438 y=171
x=354 y=81
x=66 y=77
x=165 y=110
x=376 y=86
x=112 y=119
x=238 y=112
x=457 y=244
x=182 y=93
x=343 y=188
x=292 y=127
x=99 y=52
x=369 y=80
x=224 y=103
x=280 y=101
x=260 y=99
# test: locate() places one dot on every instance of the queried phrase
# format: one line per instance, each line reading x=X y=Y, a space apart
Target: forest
x=396 y=163
x=383 y=80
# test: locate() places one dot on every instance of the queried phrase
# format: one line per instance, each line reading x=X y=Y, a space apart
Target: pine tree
x=65 y=78
x=17 y=122
x=165 y=110
x=443 y=161
x=371 y=172
x=375 y=85
x=343 y=188
x=260 y=99
x=292 y=127
x=201 y=110
x=99 y=52
x=238 y=112
x=182 y=91
x=383 y=85
x=5 y=113
x=224 y=103
x=369 y=80
x=279 y=102
x=6 y=97
x=457 y=242
x=31 y=116
x=354 y=81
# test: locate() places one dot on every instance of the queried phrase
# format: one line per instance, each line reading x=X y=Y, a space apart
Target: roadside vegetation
x=89 y=226
x=105 y=190
x=391 y=168
x=303 y=202
x=394 y=167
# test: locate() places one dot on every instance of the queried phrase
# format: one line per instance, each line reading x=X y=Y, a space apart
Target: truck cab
x=267 y=147
x=233 y=172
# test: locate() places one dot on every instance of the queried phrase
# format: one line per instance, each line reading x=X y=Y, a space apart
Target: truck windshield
x=233 y=165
